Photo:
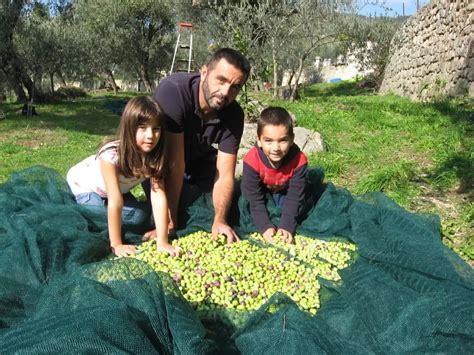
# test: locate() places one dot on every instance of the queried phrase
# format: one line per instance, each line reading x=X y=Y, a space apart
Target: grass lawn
x=421 y=155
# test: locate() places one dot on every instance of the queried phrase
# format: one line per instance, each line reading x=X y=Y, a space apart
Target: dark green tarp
x=60 y=293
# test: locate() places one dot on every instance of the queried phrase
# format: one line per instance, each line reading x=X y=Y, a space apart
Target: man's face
x=220 y=85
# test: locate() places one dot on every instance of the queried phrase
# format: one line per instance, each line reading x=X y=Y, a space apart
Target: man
x=201 y=112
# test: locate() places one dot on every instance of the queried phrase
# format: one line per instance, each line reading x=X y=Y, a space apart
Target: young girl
x=105 y=179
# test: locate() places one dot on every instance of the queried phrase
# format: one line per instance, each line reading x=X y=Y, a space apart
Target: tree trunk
x=38 y=83
x=275 y=75
x=51 y=82
x=33 y=92
x=19 y=77
x=8 y=59
x=61 y=78
x=20 y=93
x=112 y=81
x=290 y=79
x=144 y=75
x=148 y=85
x=298 y=76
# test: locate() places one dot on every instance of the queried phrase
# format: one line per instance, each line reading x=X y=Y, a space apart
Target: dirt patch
x=319 y=109
x=450 y=206
x=35 y=138
x=344 y=107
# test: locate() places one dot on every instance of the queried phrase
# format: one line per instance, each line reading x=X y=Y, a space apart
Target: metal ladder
x=179 y=61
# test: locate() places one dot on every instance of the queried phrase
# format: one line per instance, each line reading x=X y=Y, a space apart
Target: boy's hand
x=168 y=248
x=286 y=236
x=268 y=235
x=124 y=250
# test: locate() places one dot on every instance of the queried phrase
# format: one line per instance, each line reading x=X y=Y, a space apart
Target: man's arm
x=222 y=195
x=174 y=179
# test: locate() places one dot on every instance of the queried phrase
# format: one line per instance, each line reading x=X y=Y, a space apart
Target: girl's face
x=275 y=143
x=147 y=136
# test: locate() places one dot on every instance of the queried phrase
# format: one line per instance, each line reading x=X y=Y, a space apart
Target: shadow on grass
x=462 y=165
x=337 y=89
x=116 y=106
x=459 y=111
x=93 y=115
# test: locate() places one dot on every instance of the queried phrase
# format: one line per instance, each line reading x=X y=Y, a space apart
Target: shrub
x=70 y=92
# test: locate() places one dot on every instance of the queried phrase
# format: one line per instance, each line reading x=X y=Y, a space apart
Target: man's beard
x=209 y=98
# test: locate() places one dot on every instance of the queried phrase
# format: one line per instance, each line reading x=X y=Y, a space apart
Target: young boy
x=278 y=166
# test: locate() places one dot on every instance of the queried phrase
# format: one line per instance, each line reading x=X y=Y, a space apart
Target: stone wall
x=432 y=55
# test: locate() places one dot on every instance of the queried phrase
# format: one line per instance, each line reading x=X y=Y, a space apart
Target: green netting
x=59 y=292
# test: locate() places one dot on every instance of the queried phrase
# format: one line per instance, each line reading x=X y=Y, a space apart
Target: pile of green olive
x=218 y=278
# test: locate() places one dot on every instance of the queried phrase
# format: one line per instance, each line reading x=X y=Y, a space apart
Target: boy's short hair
x=275 y=116
x=232 y=57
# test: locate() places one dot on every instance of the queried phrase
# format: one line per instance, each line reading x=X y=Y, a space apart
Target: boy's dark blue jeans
x=279 y=198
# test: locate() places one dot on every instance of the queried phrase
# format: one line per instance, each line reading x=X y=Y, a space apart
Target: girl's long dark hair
x=140 y=110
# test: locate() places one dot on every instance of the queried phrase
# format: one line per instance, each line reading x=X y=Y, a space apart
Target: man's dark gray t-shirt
x=178 y=95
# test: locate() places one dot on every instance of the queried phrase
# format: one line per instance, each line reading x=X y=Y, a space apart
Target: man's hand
x=268 y=235
x=223 y=228
x=286 y=236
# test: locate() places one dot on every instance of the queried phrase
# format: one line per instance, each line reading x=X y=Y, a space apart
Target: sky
x=396 y=7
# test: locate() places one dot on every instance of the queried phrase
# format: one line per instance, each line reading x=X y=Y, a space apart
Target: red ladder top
x=186 y=25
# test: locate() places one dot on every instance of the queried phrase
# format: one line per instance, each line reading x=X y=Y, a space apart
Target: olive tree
x=133 y=36
x=38 y=45
x=149 y=27
x=10 y=62
x=237 y=25
x=33 y=45
x=279 y=35
x=370 y=40
x=313 y=25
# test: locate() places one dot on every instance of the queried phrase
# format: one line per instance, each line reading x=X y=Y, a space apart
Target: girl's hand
x=268 y=235
x=286 y=236
x=168 y=248
x=124 y=250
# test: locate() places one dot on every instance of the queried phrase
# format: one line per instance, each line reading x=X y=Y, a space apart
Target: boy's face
x=275 y=143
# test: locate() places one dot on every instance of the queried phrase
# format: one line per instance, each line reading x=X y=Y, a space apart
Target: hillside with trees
x=51 y=44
